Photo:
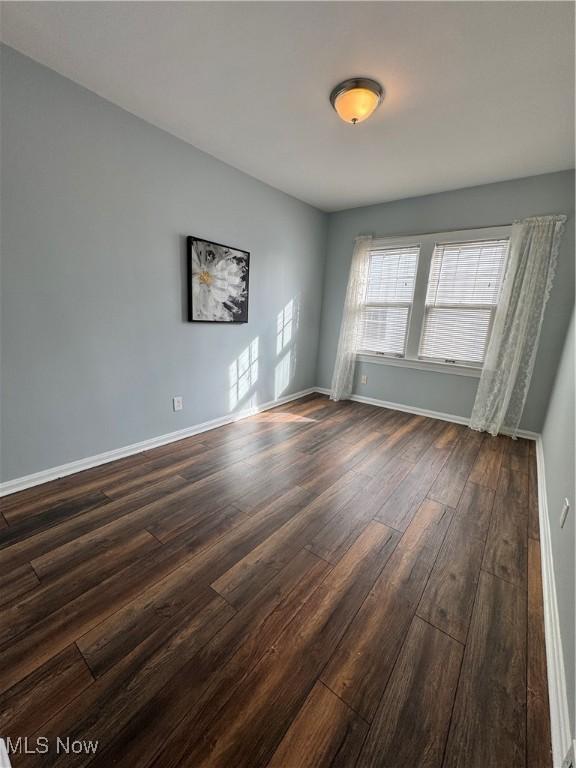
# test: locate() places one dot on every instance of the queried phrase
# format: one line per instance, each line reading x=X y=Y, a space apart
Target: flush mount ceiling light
x=356 y=99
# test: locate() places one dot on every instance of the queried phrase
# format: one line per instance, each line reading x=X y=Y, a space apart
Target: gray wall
x=487 y=205
x=559 y=461
x=95 y=204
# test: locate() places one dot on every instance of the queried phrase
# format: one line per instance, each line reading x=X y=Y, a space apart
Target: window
x=431 y=299
x=389 y=296
x=463 y=290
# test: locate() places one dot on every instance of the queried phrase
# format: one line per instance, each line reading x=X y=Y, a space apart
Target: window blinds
x=389 y=295
x=463 y=289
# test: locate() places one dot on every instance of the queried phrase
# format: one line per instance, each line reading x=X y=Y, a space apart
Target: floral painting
x=217 y=282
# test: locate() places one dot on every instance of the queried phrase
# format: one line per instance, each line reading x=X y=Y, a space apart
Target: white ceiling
x=475 y=91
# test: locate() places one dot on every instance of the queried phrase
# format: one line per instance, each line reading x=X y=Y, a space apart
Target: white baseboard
x=421 y=411
x=53 y=473
x=559 y=714
x=28 y=481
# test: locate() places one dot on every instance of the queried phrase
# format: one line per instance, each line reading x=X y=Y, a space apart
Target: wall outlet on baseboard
x=178 y=403
x=564 y=513
x=363 y=379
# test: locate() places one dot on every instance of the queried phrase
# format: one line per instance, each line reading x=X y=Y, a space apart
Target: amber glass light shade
x=356 y=99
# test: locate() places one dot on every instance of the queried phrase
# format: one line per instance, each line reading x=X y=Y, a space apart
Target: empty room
x=287 y=401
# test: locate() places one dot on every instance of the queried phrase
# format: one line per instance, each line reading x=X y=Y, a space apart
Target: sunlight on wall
x=243 y=373
x=282 y=374
x=284 y=326
x=245 y=369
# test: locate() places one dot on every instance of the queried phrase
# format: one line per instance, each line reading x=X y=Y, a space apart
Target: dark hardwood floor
x=320 y=585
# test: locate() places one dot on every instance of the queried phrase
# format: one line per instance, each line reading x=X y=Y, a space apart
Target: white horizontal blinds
x=389 y=295
x=463 y=289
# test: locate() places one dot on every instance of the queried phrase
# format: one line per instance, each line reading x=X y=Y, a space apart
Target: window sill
x=422 y=365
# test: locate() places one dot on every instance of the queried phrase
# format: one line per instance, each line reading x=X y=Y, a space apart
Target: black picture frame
x=241 y=315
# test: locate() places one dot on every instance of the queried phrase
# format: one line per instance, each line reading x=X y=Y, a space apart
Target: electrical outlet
x=564 y=513
x=364 y=380
x=177 y=403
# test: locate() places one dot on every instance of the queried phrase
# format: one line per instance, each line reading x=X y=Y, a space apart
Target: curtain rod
x=442 y=232
x=460 y=229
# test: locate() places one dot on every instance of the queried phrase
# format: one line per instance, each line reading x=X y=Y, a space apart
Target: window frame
x=392 y=243
x=417 y=310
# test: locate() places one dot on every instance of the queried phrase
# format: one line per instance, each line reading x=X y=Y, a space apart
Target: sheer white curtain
x=343 y=376
x=513 y=344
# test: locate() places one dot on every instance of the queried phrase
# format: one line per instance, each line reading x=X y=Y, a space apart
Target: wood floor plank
x=315 y=440
x=401 y=506
x=52 y=596
x=363 y=661
x=450 y=482
x=353 y=454
x=488 y=727
x=539 y=752
x=53 y=633
x=247 y=576
x=310 y=407
x=238 y=431
x=392 y=446
x=340 y=531
x=320 y=477
x=513 y=486
x=108 y=642
x=41 y=498
x=384 y=422
x=37 y=698
x=516 y=455
x=325 y=468
x=449 y=595
x=245 y=486
x=337 y=450
x=115 y=636
x=19 y=531
x=387 y=420
x=450 y=435
x=200 y=464
x=243 y=733
x=196 y=500
x=268 y=485
x=506 y=553
x=325 y=733
x=212 y=675
x=475 y=509
x=411 y=724
x=107 y=548
x=16 y=583
x=109 y=702
x=417 y=445
x=127 y=474
x=112 y=512
x=486 y=468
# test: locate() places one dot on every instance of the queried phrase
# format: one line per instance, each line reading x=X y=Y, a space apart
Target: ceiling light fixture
x=356 y=99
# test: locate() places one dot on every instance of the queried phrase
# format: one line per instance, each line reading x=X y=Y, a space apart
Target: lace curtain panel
x=511 y=352
x=350 y=329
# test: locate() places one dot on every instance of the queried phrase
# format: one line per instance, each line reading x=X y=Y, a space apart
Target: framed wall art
x=217 y=282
